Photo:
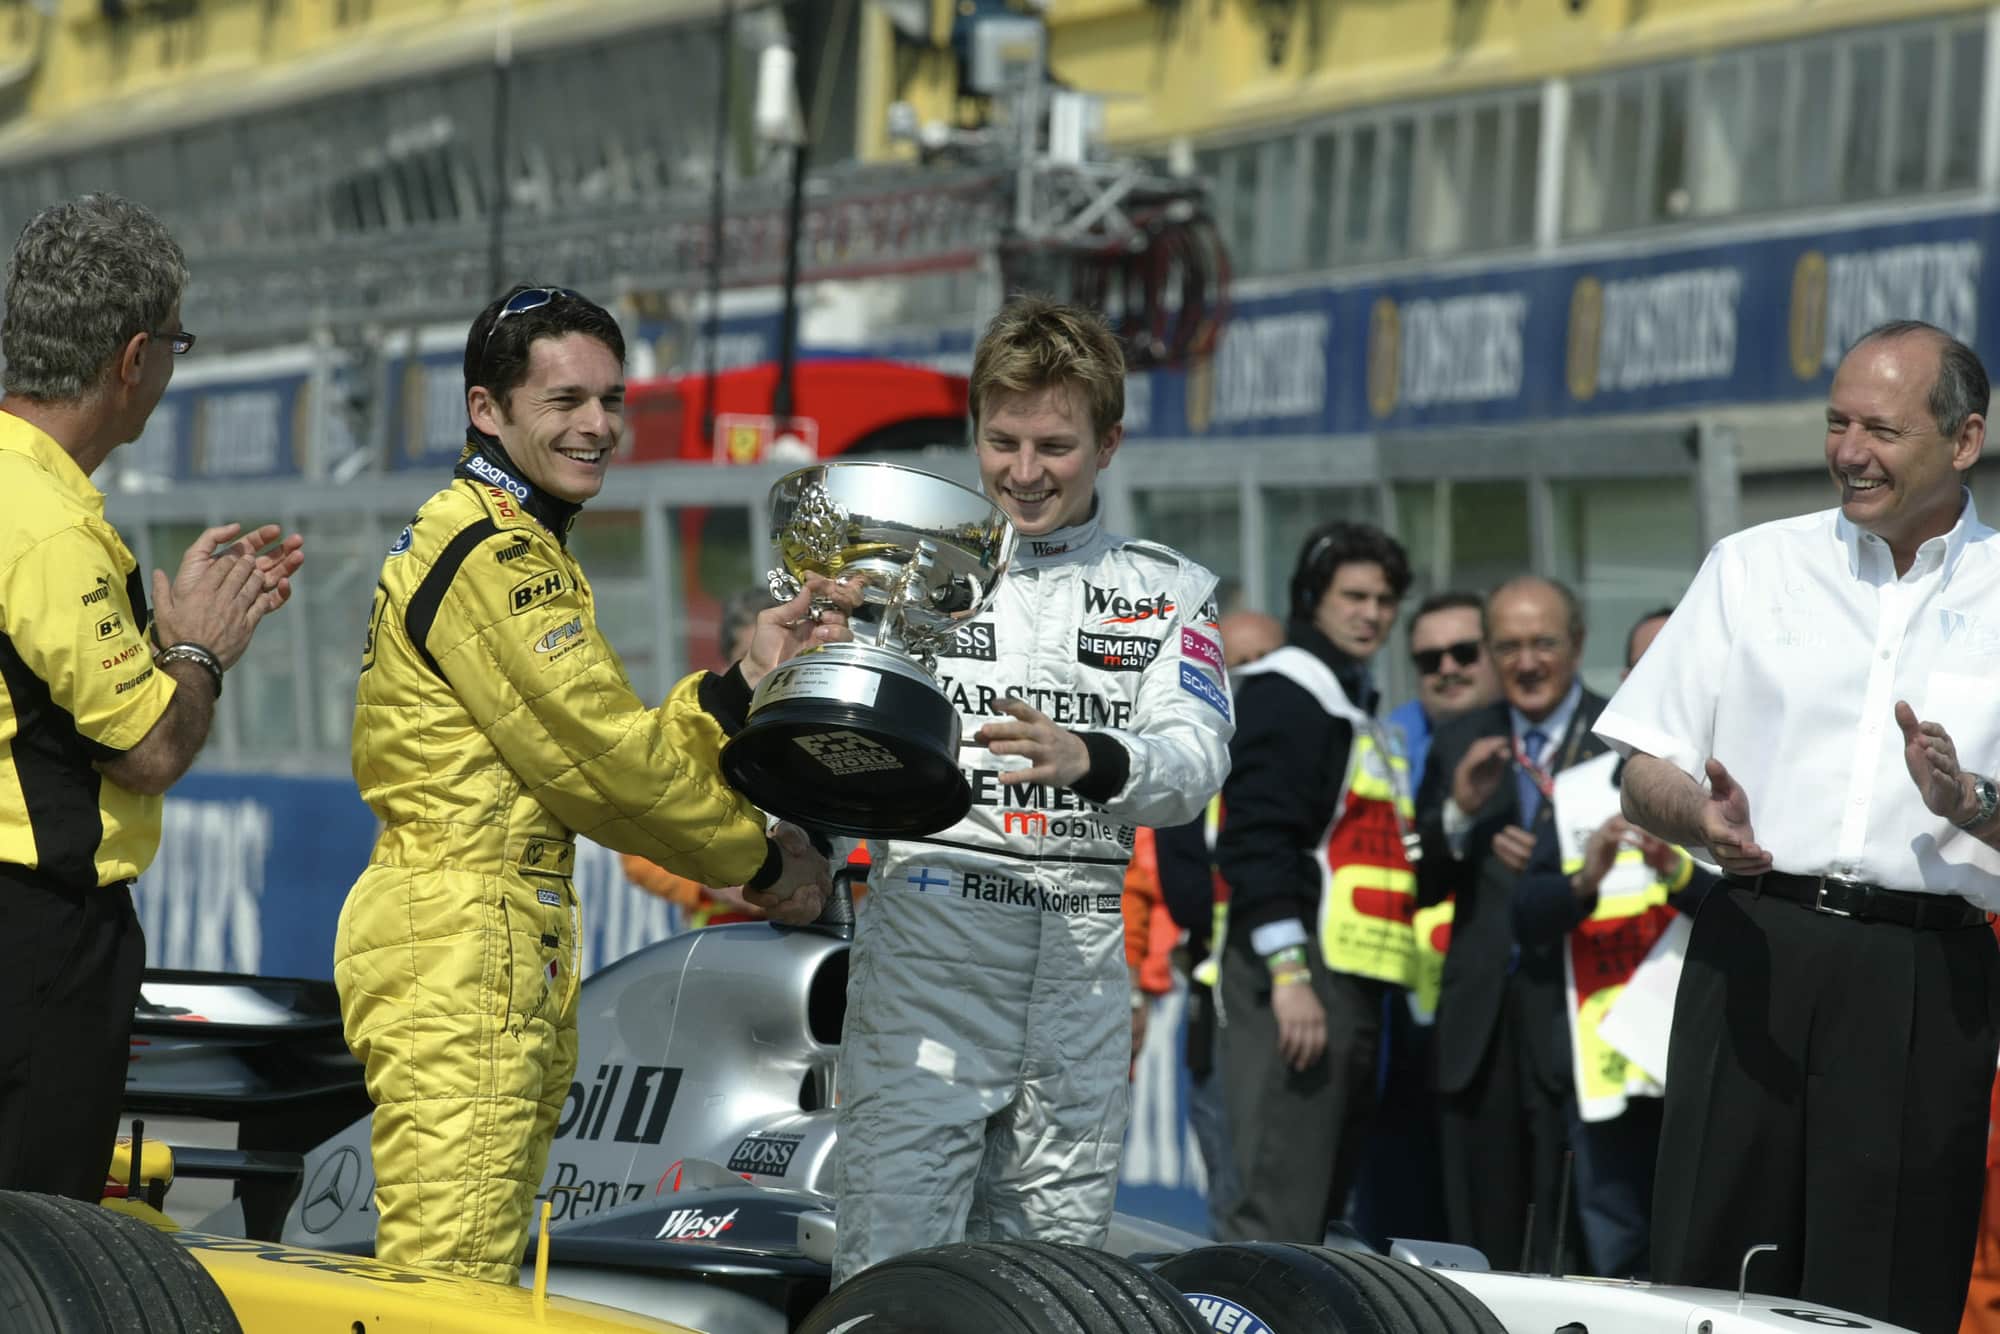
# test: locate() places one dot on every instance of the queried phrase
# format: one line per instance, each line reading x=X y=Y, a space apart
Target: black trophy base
x=883 y=771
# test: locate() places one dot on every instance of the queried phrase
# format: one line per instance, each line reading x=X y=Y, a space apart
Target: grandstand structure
x=1546 y=284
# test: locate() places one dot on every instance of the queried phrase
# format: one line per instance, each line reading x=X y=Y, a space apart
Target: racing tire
x=1004 y=1288
x=1288 y=1289
x=67 y=1267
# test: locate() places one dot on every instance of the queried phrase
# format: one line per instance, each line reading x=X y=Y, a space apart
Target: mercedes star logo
x=331 y=1189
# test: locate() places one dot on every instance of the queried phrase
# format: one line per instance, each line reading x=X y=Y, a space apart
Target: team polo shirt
x=77 y=681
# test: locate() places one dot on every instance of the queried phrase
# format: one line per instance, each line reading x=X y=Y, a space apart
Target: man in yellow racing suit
x=493 y=724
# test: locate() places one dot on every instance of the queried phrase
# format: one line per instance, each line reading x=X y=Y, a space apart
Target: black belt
x=1867 y=903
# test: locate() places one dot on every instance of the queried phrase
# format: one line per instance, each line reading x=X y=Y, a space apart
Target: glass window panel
x=1669 y=197
x=1206 y=525
x=1402 y=148
x=1489 y=534
x=1358 y=194
x=1621 y=163
x=1319 y=204
x=1627 y=547
x=1760 y=183
x=346 y=554
x=1867 y=73
x=1962 y=108
x=1910 y=126
x=1440 y=208
x=610 y=545
x=712 y=562
x=1242 y=172
x=1583 y=177
x=1279 y=241
x=1482 y=228
x=1814 y=112
x=1715 y=181
x=1527 y=173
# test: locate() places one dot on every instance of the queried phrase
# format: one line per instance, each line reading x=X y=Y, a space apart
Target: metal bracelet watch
x=195 y=653
x=1988 y=796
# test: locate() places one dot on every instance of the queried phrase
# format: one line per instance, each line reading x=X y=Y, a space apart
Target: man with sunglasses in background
x=493 y=725
x=102 y=706
x=1454 y=675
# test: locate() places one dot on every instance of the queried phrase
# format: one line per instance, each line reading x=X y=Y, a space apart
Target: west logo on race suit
x=975 y=641
x=1114 y=608
x=1116 y=653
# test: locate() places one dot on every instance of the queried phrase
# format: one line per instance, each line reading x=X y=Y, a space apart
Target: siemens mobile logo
x=480 y=466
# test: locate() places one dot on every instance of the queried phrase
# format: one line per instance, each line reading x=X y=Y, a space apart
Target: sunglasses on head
x=1465 y=652
x=523 y=301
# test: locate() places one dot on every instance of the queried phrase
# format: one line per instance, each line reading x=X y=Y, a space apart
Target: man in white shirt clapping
x=1834 y=1035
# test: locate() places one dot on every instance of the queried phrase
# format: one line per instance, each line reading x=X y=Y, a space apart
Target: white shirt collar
x=1868 y=556
x=1062 y=543
x=1556 y=726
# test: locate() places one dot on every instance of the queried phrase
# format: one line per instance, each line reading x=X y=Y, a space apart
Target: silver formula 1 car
x=690 y=1176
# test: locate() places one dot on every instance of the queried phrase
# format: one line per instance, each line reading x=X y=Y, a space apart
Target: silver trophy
x=857 y=738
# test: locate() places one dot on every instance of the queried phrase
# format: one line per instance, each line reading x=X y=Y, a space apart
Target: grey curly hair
x=86 y=275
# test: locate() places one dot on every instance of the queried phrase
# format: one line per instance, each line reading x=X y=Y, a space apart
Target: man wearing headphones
x=1320 y=891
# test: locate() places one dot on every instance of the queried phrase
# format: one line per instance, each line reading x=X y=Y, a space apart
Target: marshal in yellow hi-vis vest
x=1368 y=893
x=1601 y=954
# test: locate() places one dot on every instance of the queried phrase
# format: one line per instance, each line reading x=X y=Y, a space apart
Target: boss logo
x=974 y=641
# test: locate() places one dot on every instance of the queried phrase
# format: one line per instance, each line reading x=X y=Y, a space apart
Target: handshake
x=798 y=895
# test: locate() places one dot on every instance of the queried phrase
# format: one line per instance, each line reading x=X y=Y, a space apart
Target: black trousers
x=1501 y=1140
x=1296 y=1135
x=1827 y=1091
x=70 y=967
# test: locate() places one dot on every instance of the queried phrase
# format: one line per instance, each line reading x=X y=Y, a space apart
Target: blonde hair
x=1036 y=342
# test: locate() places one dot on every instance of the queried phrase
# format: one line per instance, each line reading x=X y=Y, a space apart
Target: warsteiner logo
x=1117 y=609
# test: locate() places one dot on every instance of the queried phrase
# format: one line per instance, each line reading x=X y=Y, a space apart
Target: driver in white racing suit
x=985 y=1056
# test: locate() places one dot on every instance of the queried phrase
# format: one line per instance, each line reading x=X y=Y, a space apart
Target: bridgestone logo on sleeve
x=848 y=753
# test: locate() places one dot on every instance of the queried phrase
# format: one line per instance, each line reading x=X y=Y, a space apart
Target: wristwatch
x=1988 y=797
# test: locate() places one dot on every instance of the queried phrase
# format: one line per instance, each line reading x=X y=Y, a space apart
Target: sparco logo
x=765 y=1155
x=1116 y=653
x=694 y=1225
x=481 y=467
x=970 y=641
x=1118 y=609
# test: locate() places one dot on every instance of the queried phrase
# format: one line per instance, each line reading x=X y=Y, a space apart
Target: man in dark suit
x=1613 y=1109
x=1501 y=1070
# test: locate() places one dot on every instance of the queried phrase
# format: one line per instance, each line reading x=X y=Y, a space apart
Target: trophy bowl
x=857 y=738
